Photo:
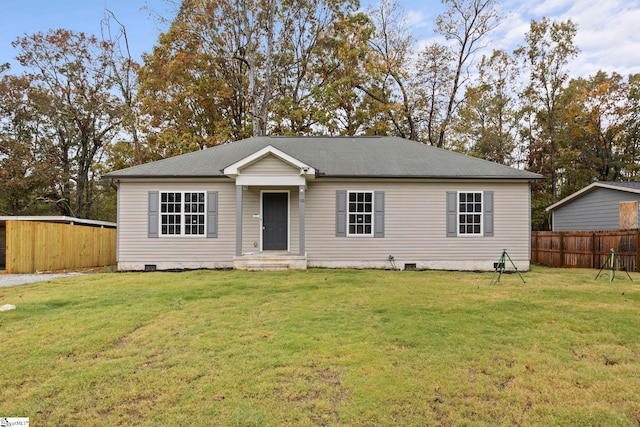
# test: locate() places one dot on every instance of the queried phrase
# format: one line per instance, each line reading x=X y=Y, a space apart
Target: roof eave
x=109 y=176
x=439 y=177
x=588 y=189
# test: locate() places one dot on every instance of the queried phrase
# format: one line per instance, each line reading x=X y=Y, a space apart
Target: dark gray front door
x=275 y=221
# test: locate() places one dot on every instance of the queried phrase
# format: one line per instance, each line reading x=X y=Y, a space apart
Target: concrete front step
x=270 y=262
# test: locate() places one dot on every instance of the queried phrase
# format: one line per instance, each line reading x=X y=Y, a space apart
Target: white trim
x=288 y=217
x=477 y=265
x=372 y=213
x=233 y=170
x=182 y=215
x=458 y=213
x=266 y=180
x=589 y=188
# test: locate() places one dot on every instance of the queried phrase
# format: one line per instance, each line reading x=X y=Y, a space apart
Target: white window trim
x=182 y=216
x=372 y=213
x=471 y=235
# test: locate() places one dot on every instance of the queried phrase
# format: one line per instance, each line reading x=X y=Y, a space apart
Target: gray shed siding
x=595 y=210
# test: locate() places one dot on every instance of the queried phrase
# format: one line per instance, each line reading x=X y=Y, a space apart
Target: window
x=470 y=213
x=360 y=213
x=182 y=213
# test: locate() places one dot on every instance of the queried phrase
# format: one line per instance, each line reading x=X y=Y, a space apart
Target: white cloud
x=415 y=19
x=607 y=35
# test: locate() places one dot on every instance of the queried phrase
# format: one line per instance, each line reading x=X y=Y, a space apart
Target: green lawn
x=323 y=347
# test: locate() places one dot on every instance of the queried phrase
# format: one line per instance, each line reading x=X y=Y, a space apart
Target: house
x=293 y=202
x=598 y=206
x=47 y=243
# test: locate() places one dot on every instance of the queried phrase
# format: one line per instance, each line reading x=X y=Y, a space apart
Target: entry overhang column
x=238 y=220
x=301 y=201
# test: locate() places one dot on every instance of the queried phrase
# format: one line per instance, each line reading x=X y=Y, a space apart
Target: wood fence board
x=44 y=246
x=580 y=249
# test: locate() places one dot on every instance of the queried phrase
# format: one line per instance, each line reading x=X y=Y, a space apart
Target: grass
x=323 y=347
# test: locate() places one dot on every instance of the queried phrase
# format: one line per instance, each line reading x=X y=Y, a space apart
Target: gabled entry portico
x=270 y=208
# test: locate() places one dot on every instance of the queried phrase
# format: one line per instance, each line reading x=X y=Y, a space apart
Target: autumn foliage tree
x=226 y=70
x=63 y=115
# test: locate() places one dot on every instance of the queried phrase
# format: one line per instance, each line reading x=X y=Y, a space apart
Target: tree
x=632 y=129
x=226 y=70
x=488 y=120
x=548 y=50
x=319 y=31
x=594 y=127
x=24 y=173
x=343 y=108
x=389 y=83
x=75 y=114
x=188 y=96
x=465 y=23
x=433 y=77
x=124 y=71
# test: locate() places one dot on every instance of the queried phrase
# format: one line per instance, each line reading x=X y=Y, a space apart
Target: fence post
x=534 y=245
x=593 y=250
x=637 y=249
x=562 y=250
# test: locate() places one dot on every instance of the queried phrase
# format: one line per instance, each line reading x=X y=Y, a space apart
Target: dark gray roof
x=630 y=187
x=623 y=184
x=375 y=157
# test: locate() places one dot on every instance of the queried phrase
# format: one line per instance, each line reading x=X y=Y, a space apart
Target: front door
x=275 y=221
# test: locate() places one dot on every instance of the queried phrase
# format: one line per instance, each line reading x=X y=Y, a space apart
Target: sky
x=608 y=34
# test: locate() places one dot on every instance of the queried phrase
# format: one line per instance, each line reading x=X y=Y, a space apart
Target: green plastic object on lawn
x=500 y=267
x=611 y=261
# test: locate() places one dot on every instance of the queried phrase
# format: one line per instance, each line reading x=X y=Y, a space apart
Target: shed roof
x=344 y=157
x=628 y=186
x=60 y=219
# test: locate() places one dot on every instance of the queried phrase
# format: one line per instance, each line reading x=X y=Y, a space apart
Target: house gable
x=270 y=166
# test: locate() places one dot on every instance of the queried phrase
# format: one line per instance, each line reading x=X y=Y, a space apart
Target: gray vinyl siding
x=270 y=166
x=415 y=225
x=134 y=246
x=596 y=210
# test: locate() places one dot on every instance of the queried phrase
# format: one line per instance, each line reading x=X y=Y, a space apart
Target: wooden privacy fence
x=585 y=249
x=43 y=246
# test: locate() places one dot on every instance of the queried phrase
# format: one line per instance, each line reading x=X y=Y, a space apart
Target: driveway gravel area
x=22 y=279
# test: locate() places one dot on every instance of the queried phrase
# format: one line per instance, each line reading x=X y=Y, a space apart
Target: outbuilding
x=607 y=205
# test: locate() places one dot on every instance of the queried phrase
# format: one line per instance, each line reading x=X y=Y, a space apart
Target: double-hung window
x=470 y=213
x=360 y=213
x=182 y=213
